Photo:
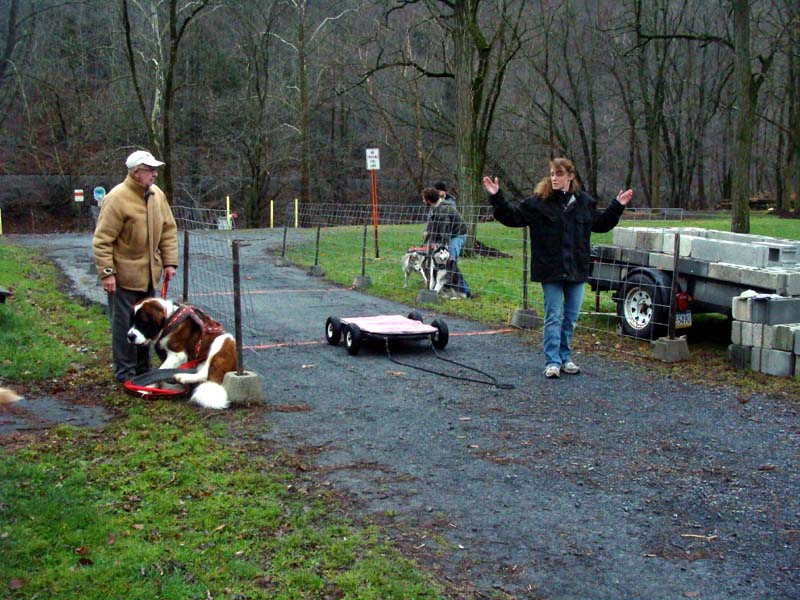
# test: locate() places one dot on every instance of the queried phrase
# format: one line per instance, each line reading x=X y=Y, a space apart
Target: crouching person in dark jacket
x=561 y=218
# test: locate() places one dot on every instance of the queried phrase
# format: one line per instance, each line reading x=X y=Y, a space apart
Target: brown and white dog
x=7 y=396
x=186 y=334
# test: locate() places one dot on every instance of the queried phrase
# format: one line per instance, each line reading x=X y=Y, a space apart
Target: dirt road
x=609 y=484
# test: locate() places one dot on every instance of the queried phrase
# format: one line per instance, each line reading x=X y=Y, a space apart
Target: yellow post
x=296 y=214
x=1 y=222
x=271 y=213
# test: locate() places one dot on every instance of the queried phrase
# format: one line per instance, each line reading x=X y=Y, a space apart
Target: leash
x=492 y=380
x=164 y=287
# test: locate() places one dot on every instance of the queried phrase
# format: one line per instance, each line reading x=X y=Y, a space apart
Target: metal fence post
x=525 y=268
x=185 y=298
x=237 y=306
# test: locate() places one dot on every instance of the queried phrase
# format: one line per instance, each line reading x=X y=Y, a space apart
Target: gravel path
x=609 y=484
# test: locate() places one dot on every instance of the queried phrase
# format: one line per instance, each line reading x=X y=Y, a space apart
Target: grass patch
x=159 y=506
x=42 y=336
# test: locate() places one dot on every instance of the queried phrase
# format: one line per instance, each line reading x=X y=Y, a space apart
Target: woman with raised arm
x=561 y=218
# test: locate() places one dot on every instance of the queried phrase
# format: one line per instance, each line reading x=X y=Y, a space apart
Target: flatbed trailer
x=713 y=267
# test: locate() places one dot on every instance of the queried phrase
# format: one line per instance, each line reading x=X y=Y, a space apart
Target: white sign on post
x=78 y=195
x=373 y=159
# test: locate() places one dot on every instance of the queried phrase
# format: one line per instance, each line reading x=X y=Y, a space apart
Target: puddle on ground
x=35 y=414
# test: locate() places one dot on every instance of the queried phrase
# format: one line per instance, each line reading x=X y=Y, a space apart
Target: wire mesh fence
x=630 y=290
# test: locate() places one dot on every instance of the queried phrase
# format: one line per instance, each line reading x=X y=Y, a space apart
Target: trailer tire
x=642 y=307
x=352 y=339
x=415 y=316
x=333 y=331
x=442 y=335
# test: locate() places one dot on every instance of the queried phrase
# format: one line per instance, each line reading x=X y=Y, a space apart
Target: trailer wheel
x=415 y=316
x=352 y=339
x=642 y=307
x=442 y=335
x=333 y=331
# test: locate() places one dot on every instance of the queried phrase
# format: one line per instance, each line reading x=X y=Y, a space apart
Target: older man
x=135 y=243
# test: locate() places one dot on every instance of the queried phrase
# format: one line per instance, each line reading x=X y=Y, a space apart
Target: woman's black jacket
x=560 y=231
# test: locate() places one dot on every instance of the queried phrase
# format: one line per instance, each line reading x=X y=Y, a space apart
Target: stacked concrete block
x=765 y=334
x=749 y=261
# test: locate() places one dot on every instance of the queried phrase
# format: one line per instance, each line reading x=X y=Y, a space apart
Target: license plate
x=683 y=319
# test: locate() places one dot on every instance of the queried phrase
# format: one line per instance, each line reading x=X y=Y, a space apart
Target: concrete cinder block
x=792 y=284
x=755 y=358
x=636 y=257
x=624 y=237
x=690 y=266
x=607 y=254
x=660 y=261
x=736 y=332
x=730 y=252
x=742 y=309
x=778 y=253
x=747 y=333
x=670 y=350
x=783 y=336
x=768 y=337
x=765 y=279
x=725 y=272
x=775 y=362
x=739 y=356
x=782 y=310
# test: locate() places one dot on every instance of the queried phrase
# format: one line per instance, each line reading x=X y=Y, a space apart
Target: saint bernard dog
x=185 y=333
x=7 y=396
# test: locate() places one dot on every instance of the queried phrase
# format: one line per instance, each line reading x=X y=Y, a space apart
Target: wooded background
x=692 y=103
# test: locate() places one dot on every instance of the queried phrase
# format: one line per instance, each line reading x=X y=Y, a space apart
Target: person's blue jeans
x=456 y=245
x=562 y=305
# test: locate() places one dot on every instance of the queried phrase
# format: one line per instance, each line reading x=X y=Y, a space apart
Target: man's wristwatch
x=108 y=271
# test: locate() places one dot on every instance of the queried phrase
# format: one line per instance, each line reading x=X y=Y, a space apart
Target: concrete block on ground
x=792 y=283
x=526 y=319
x=755 y=358
x=747 y=333
x=775 y=362
x=316 y=271
x=739 y=356
x=725 y=272
x=244 y=389
x=736 y=332
x=362 y=282
x=742 y=309
x=784 y=336
x=427 y=297
x=768 y=337
x=670 y=350
x=781 y=310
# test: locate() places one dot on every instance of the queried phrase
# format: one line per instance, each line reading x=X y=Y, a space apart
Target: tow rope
x=492 y=380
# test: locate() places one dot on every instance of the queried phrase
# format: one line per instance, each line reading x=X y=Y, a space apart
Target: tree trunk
x=745 y=119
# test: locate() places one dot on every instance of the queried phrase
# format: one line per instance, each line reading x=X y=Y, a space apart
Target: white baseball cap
x=142 y=157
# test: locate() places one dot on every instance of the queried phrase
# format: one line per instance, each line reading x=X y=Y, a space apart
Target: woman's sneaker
x=570 y=368
x=552 y=372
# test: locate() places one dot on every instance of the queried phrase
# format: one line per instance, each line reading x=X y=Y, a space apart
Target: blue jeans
x=456 y=245
x=562 y=305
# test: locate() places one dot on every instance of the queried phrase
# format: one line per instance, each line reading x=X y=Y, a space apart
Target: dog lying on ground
x=185 y=333
x=7 y=396
x=417 y=260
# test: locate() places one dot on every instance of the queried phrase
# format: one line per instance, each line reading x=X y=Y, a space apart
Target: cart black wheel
x=442 y=335
x=352 y=339
x=333 y=331
x=415 y=316
x=643 y=307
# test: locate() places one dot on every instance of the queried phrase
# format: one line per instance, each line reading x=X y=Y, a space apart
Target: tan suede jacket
x=135 y=238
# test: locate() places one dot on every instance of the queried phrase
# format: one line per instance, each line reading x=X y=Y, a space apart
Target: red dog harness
x=207 y=325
